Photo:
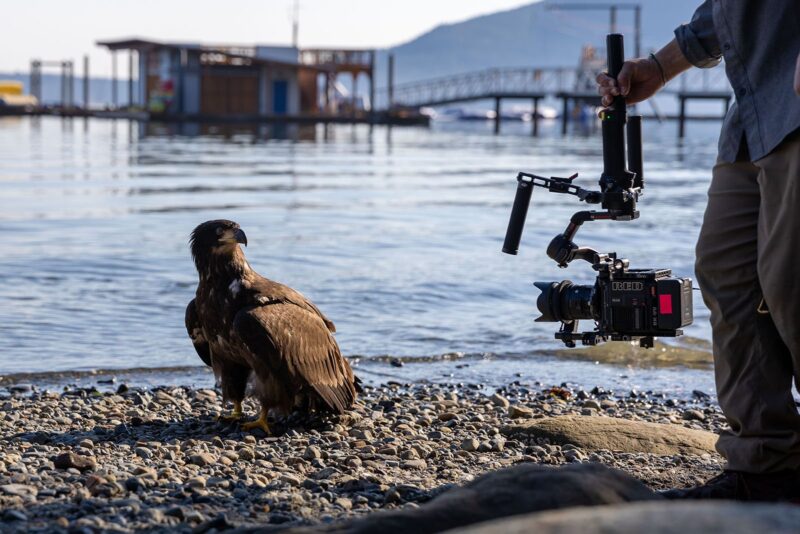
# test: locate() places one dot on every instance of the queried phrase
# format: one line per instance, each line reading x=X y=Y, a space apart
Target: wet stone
x=499 y=400
x=14 y=515
x=694 y=415
x=202 y=459
x=470 y=444
x=70 y=460
x=289 y=479
x=592 y=404
x=18 y=490
x=519 y=412
x=196 y=482
x=143 y=453
x=312 y=452
x=415 y=464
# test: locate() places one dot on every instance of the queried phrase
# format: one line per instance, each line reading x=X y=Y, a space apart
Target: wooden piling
x=682 y=116
x=372 y=82
x=685 y=96
x=86 y=82
x=114 y=100
x=130 y=80
x=390 y=81
x=497 y=115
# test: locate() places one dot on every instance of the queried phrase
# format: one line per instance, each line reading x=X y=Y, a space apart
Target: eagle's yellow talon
x=234 y=416
x=261 y=423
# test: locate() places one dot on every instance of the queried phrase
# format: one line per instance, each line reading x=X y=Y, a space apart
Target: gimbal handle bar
x=620 y=185
x=526 y=183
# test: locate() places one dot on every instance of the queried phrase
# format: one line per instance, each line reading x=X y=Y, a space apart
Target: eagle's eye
x=219 y=231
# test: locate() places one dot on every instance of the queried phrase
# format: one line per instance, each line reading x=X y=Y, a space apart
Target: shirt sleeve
x=698 y=40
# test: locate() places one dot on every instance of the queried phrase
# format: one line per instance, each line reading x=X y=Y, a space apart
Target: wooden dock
x=394 y=118
x=685 y=96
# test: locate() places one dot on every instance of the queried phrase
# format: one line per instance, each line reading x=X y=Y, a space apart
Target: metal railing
x=524 y=82
x=317 y=56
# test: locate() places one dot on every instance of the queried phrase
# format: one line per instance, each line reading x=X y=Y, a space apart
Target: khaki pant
x=748 y=261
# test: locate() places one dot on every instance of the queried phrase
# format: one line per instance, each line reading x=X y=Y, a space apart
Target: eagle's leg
x=233 y=379
x=235 y=415
x=261 y=422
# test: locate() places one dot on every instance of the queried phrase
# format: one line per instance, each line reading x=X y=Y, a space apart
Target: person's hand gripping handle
x=639 y=79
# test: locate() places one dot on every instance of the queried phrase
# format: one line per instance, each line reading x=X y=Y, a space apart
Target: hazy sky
x=62 y=29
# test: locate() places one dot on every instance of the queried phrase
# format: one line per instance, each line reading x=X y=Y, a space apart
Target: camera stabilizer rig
x=626 y=304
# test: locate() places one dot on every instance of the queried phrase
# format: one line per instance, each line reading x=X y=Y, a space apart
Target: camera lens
x=565 y=301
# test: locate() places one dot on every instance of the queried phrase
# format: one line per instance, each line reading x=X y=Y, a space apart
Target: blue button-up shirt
x=760 y=41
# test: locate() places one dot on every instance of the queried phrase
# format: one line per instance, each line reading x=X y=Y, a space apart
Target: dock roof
x=241 y=52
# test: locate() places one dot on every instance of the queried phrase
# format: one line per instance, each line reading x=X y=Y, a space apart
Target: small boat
x=12 y=95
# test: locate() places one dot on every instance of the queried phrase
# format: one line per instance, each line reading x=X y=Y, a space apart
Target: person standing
x=747 y=254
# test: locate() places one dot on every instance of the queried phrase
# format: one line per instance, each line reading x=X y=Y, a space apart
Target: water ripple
x=396 y=239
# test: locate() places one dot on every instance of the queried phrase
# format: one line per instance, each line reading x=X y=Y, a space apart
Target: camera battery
x=674 y=303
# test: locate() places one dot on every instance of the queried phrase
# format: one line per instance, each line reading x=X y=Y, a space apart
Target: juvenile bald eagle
x=244 y=325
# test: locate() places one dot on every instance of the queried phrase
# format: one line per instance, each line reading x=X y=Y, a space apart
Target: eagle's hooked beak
x=240 y=237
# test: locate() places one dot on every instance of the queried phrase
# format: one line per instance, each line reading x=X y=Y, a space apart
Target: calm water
x=395 y=235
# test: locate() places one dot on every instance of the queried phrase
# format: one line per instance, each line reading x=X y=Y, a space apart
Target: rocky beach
x=141 y=459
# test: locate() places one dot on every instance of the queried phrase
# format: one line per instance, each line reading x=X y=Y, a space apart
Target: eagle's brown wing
x=196 y=333
x=267 y=291
x=311 y=306
x=299 y=350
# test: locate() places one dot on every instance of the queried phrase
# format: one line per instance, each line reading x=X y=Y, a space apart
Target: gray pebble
x=470 y=444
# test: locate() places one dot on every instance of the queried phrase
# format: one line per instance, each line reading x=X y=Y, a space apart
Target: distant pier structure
x=67 y=79
x=186 y=82
x=180 y=81
x=335 y=63
x=573 y=87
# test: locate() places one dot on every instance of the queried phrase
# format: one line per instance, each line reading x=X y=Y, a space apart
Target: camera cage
x=608 y=267
x=621 y=186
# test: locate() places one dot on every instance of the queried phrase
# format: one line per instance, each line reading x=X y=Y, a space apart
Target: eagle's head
x=215 y=241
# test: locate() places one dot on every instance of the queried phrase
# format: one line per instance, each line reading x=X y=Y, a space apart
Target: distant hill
x=531 y=35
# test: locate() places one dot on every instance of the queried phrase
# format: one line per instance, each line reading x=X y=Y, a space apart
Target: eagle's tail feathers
x=338 y=399
x=341 y=394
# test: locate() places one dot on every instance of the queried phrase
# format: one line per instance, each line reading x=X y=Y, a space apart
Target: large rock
x=517 y=490
x=653 y=518
x=596 y=432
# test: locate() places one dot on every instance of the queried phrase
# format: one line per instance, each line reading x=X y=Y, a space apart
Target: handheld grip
x=615 y=53
x=635 y=163
x=615 y=173
x=518 y=214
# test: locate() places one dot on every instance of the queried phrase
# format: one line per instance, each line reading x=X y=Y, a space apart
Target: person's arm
x=695 y=44
x=698 y=39
x=797 y=76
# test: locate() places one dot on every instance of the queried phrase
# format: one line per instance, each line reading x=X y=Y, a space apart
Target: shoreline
x=75 y=374
x=689 y=353
x=674 y=371
x=155 y=458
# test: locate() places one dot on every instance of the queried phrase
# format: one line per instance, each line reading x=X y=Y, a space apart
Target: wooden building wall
x=229 y=90
x=309 y=97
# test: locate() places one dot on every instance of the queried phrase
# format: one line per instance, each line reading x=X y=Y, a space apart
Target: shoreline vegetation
x=155 y=458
